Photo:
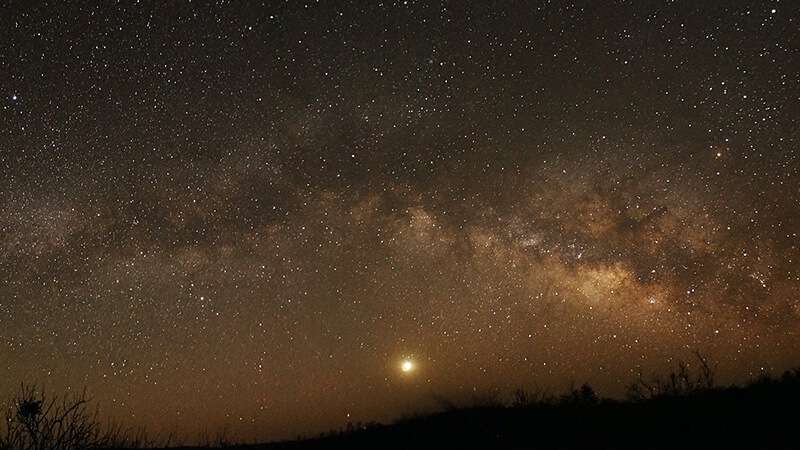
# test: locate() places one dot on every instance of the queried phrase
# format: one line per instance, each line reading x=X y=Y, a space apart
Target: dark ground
x=760 y=415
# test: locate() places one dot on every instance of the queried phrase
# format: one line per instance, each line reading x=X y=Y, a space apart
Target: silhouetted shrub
x=36 y=421
x=679 y=382
x=522 y=398
x=584 y=395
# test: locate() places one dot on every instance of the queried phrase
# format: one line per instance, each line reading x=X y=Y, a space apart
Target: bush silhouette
x=36 y=421
x=679 y=382
x=582 y=396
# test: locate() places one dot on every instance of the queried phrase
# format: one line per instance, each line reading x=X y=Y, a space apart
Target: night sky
x=250 y=215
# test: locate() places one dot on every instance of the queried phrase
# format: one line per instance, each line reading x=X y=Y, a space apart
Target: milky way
x=246 y=216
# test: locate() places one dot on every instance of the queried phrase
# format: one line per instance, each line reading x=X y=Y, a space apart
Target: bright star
x=407 y=365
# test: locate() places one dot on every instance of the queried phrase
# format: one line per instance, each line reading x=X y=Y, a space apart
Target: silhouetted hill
x=679 y=411
x=761 y=415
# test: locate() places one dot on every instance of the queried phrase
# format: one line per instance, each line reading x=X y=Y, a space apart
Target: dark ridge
x=761 y=415
x=680 y=411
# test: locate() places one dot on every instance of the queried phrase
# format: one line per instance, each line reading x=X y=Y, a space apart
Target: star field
x=242 y=215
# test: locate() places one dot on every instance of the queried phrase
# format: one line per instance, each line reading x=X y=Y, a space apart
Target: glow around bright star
x=407 y=366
